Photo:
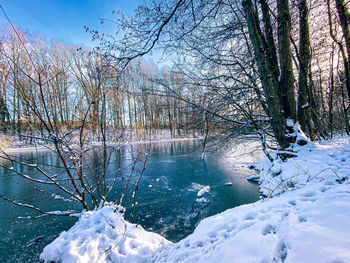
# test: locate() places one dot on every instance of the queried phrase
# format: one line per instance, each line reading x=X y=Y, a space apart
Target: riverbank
x=305 y=219
x=11 y=144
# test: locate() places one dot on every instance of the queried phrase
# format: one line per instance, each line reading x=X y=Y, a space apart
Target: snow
x=314 y=162
x=58 y=197
x=290 y=122
x=306 y=225
x=11 y=144
x=253 y=178
x=202 y=200
x=304 y=219
x=61 y=213
x=306 y=105
x=103 y=236
x=203 y=191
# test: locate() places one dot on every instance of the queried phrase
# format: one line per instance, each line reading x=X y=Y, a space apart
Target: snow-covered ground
x=306 y=218
x=12 y=144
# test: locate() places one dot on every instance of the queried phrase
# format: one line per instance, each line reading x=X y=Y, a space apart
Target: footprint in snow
x=308 y=194
x=323 y=189
x=269 y=229
x=302 y=219
x=292 y=202
x=199 y=244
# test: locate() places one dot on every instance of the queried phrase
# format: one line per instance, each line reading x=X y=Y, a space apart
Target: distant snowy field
x=307 y=220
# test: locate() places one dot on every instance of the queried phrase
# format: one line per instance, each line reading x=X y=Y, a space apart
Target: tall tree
x=287 y=80
x=344 y=18
x=305 y=85
x=268 y=79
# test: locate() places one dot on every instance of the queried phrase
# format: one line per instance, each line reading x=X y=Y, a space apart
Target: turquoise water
x=167 y=197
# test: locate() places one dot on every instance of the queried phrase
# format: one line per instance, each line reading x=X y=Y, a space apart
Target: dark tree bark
x=286 y=80
x=4 y=115
x=305 y=93
x=269 y=83
x=170 y=118
x=270 y=42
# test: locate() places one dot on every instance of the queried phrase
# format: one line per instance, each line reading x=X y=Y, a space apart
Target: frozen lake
x=170 y=206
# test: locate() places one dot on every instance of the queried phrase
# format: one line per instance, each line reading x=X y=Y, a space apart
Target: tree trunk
x=270 y=42
x=169 y=113
x=286 y=81
x=4 y=114
x=331 y=91
x=269 y=83
x=305 y=92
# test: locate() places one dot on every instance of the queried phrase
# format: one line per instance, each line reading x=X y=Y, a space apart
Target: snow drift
x=103 y=236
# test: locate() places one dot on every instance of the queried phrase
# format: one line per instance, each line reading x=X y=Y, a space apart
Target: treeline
x=83 y=85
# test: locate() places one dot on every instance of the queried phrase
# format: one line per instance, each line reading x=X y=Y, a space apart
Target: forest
x=78 y=84
x=234 y=80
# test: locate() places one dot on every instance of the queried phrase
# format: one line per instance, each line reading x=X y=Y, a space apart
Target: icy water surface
x=167 y=197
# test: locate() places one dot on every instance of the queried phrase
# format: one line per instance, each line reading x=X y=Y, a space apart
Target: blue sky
x=64 y=20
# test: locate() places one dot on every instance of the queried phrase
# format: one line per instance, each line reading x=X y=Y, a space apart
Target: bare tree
x=38 y=86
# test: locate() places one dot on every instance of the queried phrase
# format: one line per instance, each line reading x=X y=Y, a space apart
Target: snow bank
x=306 y=225
x=103 y=236
x=307 y=220
x=313 y=162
